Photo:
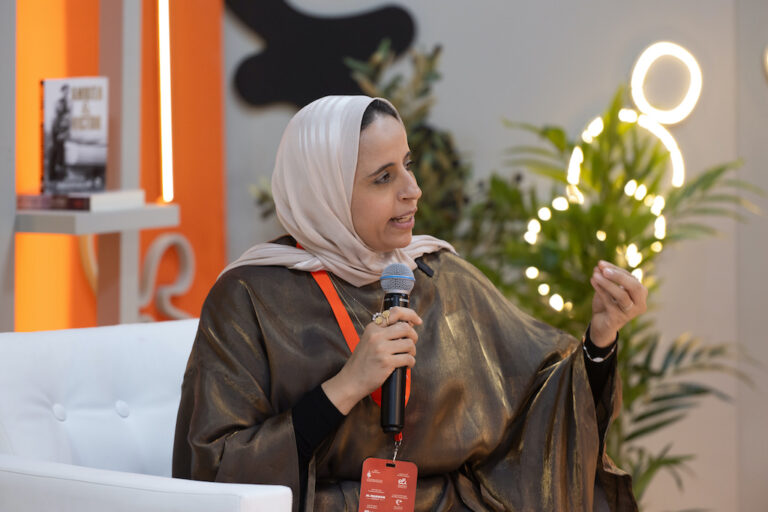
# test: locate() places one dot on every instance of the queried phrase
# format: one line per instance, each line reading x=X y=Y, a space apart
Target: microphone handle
x=393 y=389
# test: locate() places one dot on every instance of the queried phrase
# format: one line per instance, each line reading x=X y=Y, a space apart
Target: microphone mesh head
x=397 y=278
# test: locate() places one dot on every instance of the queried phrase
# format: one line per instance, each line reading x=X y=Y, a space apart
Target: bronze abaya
x=500 y=416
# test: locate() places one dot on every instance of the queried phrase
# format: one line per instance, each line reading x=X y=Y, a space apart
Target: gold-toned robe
x=500 y=416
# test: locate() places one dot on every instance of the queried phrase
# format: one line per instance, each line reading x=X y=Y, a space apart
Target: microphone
x=397 y=282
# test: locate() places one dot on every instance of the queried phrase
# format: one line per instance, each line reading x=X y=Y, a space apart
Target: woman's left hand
x=619 y=297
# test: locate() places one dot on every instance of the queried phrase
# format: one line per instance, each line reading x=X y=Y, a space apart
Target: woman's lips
x=405 y=221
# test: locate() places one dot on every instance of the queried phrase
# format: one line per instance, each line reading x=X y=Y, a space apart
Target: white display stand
x=7 y=160
x=83 y=223
x=120 y=60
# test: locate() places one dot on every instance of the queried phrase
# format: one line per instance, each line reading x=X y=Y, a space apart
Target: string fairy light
x=531 y=272
x=560 y=203
x=574 y=166
x=556 y=301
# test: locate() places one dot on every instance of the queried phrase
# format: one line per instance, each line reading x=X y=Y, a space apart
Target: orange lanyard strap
x=347 y=328
x=339 y=311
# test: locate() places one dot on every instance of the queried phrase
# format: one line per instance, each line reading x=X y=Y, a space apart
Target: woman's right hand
x=381 y=349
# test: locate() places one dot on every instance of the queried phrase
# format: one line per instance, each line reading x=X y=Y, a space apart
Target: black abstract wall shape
x=304 y=55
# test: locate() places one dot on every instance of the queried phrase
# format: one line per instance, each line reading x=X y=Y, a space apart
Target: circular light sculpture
x=666 y=138
x=643 y=65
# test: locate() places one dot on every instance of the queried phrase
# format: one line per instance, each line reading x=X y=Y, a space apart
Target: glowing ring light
x=669 y=142
x=644 y=63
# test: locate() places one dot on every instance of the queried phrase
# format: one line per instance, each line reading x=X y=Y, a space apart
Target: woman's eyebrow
x=377 y=171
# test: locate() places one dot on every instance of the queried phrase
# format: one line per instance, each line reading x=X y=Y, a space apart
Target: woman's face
x=385 y=193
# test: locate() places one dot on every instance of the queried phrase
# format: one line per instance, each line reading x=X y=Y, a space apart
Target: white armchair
x=87 y=418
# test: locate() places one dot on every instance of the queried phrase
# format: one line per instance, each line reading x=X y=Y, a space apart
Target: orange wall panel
x=54 y=38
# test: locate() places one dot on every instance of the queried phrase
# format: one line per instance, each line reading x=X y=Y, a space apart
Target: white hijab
x=312 y=188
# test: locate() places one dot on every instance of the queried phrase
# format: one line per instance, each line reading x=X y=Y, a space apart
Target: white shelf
x=74 y=222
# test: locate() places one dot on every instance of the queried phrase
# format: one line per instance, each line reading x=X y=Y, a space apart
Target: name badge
x=387 y=486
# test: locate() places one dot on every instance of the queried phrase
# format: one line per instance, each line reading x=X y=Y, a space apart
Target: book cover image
x=74 y=134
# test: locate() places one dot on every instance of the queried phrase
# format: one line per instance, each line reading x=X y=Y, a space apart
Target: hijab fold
x=312 y=189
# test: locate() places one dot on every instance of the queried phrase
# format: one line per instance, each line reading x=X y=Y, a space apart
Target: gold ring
x=381 y=318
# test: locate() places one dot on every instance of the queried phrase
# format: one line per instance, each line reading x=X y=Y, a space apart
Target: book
x=74 y=134
x=110 y=200
x=40 y=202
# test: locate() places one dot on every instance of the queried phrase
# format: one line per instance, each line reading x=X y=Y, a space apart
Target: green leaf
x=711 y=212
x=553 y=134
x=685 y=390
x=680 y=406
x=692 y=229
x=540 y=168
x=356 y=65
x=731 y=199
x=653 y=427
x=744 y=185
x=533 y=150
x=652 y=464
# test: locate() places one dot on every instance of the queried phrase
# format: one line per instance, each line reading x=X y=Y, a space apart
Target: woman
x=505 y=412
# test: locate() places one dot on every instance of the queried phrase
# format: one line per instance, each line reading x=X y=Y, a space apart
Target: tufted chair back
x=102 y=397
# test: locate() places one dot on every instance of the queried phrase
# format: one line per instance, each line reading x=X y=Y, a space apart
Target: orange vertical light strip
x=198 y=138
x=166 y=124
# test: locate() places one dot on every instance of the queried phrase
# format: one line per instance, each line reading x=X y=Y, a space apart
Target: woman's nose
x=410 y=190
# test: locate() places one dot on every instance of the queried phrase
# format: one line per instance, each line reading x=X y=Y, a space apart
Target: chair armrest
x=28 y=485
